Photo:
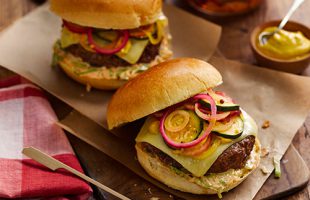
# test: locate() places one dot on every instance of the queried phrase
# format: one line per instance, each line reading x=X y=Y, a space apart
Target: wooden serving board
x=110 y=172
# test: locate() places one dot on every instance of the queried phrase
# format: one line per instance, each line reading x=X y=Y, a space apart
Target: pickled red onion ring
x=124 y=37
x=210 y=99
x=206 y=133
x=208 y=117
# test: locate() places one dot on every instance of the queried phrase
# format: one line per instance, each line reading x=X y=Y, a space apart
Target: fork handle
x=295 y=5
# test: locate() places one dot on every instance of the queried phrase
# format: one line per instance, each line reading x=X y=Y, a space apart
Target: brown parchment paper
x=26 y=48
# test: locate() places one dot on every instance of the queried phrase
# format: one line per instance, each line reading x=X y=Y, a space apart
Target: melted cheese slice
x=198 y=167
x=137 y=46
x=135 y=51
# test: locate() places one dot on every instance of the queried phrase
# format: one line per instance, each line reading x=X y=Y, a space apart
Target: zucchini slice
x=224 y=107
x=223 y=102
x=190 y=132
x=231 y=130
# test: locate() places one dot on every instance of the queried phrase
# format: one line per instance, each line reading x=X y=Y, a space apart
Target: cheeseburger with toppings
x=195 y=139
x=105 y=43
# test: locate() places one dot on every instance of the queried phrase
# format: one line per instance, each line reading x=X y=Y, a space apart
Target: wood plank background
x=234 y=44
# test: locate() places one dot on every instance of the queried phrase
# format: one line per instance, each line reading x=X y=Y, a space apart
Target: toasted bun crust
x=160 y=87
x=90 y=80
x=107 y=14
x=155 y=168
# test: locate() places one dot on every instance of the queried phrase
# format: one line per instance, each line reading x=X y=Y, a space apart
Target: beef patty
x=234 y=157
x=99 y=60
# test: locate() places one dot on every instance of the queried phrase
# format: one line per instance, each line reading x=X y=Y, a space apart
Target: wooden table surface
x=234 y=44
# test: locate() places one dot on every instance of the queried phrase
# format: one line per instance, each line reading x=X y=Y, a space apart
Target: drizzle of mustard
x=285 y=44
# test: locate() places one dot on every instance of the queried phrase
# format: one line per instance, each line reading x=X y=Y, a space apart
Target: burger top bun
x=160 y=87
x=108 y=14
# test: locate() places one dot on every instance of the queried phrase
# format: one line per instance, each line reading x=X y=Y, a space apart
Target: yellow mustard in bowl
x=285 y=44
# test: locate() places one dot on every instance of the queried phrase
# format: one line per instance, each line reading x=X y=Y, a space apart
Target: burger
x=195 y=139
x=105 y=43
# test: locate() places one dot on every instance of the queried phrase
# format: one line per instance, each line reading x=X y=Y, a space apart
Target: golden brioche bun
x=91 y=80
x=233 y=177
x=161 y=86
x=107 y=14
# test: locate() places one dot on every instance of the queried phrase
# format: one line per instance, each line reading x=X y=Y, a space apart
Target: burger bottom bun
x=233 y=177
x=91 y=81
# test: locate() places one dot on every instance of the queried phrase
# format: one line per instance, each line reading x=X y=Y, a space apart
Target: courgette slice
x=191 y=131
x=231 y=130
x=223 y=102
x=224 y=107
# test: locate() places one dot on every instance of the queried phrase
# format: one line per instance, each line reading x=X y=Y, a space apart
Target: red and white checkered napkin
x=27 y=119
